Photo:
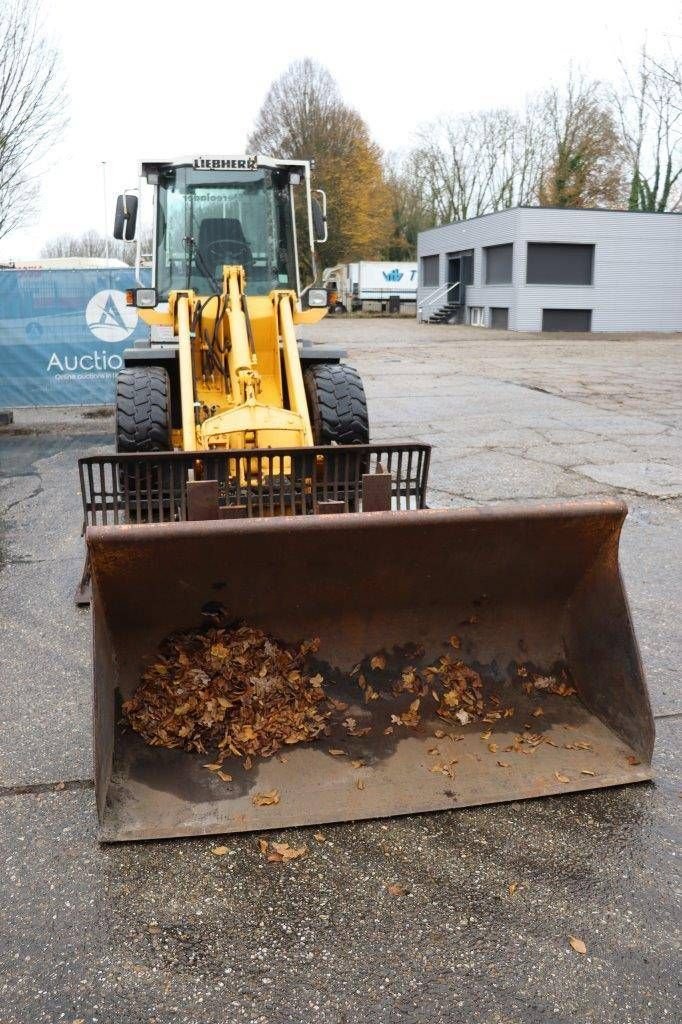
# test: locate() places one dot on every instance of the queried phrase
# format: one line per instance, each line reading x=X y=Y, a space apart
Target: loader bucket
x=524 y=592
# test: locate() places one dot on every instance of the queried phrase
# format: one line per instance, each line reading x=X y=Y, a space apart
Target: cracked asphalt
x=166 y=932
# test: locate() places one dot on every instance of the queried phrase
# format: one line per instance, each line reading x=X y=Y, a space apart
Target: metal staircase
x=447 y=314
x=440 y=309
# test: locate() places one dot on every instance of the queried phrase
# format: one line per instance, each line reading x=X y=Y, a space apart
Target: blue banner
x=63 y=333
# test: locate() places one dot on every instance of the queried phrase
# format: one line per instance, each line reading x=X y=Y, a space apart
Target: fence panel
x=62 y=334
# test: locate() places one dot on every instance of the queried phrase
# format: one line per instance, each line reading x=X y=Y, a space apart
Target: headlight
x=317 y=298
x=143 y=298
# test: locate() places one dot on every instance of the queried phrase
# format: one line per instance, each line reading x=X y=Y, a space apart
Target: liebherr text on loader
x=244 y=480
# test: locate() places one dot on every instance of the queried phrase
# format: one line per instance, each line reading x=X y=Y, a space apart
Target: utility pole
x=106 y=219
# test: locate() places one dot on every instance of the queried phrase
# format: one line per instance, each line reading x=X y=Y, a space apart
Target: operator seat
x=234 y=247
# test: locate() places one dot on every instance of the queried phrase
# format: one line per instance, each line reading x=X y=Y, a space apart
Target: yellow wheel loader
x=467 y=657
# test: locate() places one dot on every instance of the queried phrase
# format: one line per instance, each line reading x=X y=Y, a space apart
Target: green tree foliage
x=303 y=116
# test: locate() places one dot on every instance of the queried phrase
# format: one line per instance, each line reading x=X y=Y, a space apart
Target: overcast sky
x=151 y=80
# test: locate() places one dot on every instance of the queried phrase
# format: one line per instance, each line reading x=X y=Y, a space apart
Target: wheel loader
x=245 y=489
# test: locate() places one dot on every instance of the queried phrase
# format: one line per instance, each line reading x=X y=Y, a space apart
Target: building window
x=558 y=263
x=430 y=271
x=476 y=316
x=499 y=317
x=579 y=320
x=498 y=264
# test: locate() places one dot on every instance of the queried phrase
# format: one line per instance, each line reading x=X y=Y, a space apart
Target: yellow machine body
x=241 y=381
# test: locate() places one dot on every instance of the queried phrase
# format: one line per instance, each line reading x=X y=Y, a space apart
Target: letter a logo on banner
x=108 y=316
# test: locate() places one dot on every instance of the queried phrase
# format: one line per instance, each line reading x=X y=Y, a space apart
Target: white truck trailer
x=351 y=286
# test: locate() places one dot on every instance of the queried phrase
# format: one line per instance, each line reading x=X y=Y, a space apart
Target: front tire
x=337 y=404
x=143 y=425
x=143 y=410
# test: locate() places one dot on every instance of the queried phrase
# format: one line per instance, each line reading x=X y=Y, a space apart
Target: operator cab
x=213 y=212
x=206 y=219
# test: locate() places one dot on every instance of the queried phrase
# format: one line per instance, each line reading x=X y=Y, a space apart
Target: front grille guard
x=153 y=488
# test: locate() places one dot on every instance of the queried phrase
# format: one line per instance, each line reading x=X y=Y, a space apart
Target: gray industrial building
x=540 y=268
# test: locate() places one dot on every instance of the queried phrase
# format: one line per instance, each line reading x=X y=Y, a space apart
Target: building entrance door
x=454 y=279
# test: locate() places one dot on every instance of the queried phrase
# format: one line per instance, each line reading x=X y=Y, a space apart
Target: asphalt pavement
x=489 y=897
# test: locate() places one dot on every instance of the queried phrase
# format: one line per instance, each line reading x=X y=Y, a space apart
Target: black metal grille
x=256 y=482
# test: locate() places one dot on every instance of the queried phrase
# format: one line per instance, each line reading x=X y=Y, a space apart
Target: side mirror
x=125 y=219
x=319 y=210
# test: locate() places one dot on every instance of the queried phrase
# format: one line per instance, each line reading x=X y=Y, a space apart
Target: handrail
x=434 y=296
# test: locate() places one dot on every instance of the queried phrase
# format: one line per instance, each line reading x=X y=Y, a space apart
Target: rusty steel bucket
x=521 y=585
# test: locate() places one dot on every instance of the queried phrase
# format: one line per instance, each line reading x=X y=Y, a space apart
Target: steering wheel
x=232 y=251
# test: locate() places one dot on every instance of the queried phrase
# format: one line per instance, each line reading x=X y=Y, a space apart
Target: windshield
x=206 y=219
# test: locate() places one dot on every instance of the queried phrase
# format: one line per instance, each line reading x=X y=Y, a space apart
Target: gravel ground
x=170 y=932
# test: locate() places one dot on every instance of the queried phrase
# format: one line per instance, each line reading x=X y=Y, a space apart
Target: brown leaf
x=395 y=889
x=439 y=734
x=492 y=747
x=487 y=734
x=359 y=763
x=263 y=845
x=265 y=799
x=632 y=760
x=378 y=662
x=504 y=764
x=359 y=783
x=369 y=693
x=287 y=852
x=578 y=945
x=561 y=778
x=224 y=776
x=512 y=887
x=319 y=837
x=335 y=752
x=220 y=851
x=586 y=771
x=455 y=641
x=538 y=713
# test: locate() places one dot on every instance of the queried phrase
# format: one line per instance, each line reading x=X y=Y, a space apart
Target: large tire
x=143 y=424
x=337 y=404
x=143 y=410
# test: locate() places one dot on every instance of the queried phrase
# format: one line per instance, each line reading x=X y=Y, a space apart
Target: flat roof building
x=542 y=268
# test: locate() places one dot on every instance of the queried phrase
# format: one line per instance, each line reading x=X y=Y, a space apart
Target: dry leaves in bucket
x=236 y=690
x=265 y=799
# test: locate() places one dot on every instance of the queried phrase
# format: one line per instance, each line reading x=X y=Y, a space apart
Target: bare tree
x=92 y=243
x=410 y=213
x=31 y=107
x=303 y=116
x=302 y=108
x=586 y=163
x=649 y=110
x=477 y=163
